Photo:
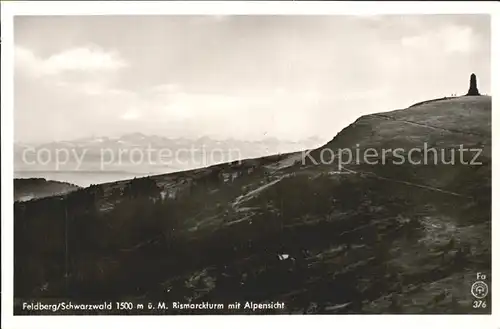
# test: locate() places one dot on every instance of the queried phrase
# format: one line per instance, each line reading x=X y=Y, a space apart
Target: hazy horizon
x=239 y=77
x=194 y=138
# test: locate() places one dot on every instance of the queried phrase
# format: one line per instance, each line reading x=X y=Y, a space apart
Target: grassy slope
x=371 y=239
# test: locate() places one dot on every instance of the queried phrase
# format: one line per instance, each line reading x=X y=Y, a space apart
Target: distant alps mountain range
x=138 y=154
x=272 y=144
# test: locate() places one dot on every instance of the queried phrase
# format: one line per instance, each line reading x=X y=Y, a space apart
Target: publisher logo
x=479 y=289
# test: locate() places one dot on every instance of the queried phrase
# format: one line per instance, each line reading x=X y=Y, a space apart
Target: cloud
x=286 y=76
x=450 y=39
x=84 y=71
x=171 y=109
x=81 y=59
x=170 y=102
x=130 y=115
x=290 y=113
x=26 y=61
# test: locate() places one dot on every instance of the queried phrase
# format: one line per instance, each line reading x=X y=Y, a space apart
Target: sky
x=241 y=77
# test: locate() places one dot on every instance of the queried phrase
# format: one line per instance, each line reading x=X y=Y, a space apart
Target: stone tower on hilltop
x=473 y=86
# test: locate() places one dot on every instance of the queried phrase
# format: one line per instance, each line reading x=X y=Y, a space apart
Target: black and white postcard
x=166 y=159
